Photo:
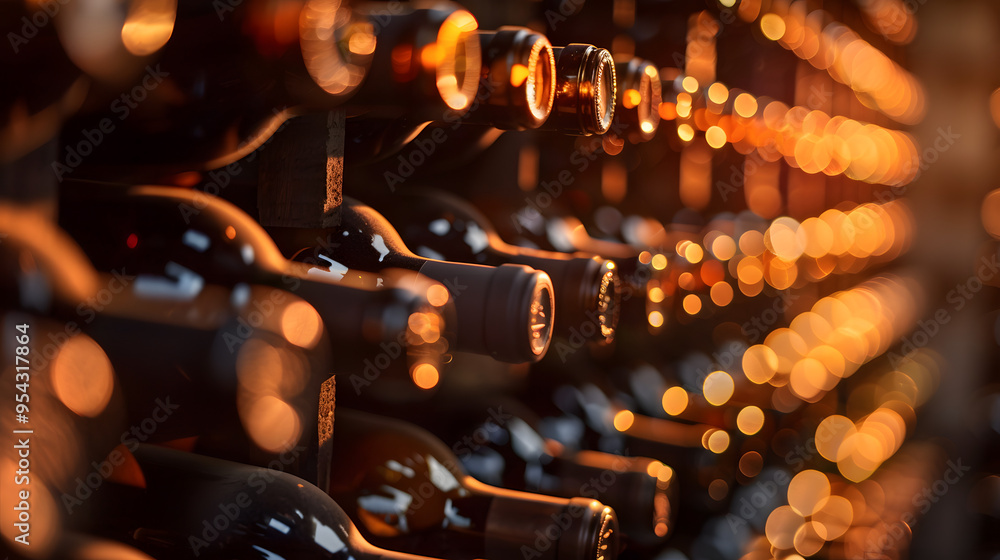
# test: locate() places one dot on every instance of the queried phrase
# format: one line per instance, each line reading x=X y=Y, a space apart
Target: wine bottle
x=638 y=101
x=185 y=505
x=587 y=290
x=404 y=489
x=515 y=90
x=498 y=441
x=518 y=86
x=227 y=75
x=398 y=331
x=425 y=63
x=505 y=311
x=585 y=90
x=240 y=371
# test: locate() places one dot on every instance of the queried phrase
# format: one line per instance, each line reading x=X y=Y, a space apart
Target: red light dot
x=132 y=240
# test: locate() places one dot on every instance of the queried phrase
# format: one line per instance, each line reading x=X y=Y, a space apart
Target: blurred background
x=736 y=278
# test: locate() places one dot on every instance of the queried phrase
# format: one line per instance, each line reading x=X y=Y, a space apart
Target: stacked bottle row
x=452 y=372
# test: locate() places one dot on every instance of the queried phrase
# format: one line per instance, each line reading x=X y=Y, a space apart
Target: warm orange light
x=437 y=295
x=425 y=376
x=301 y=324
x=623 y=420
x=82 y=377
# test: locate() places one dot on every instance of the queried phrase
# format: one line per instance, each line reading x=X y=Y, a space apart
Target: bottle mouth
x=540 y=318
x=598 y=90
x=541 y=80
x=594 y=536
x=457 y=57
x=640 y=93
x=586 y=90
x=608 y=298
x=606 y=547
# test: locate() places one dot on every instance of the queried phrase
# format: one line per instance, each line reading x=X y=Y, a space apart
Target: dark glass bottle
x=236 y=372
x=585 y=90
x=426 y=61
x=505 y=311
x=586 y=288
x=185 y=505
x=498 y=442
x=398 y=329
x=225 y=78
x=405 y=490
x=517 y=85
x=515 y=90
x=638 y=102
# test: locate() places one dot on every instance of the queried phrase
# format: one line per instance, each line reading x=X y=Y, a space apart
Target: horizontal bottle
x=182 y=505
x=515 y=90
x=587 y=290
x=585 y=90
x=405 y=489
x=517 y=86
x=505 y=311
x=498 y=442
x=639 y=95
x=217 y=80
x=238 y=372
x=393 y=332
x=426 y=61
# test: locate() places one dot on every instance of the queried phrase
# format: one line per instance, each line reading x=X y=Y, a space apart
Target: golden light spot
x=788 y=346
x=659 y=261
x=692 y=304
x=694 y=253
x=685 y=132
x=752 y=243
x=745 y=105
x=718 y=388
x=718 y=93
x=718 y=442
x=721 y=293
x=631 y=99
x=301 y=324
x=623 y=420
x=645 y=257
x=656 y=295
x=760 y=364
x=230 y=232
x=690 y=84
x=806 y=541
x=656 y=319
x=808 y=491
x=750 y=270
x=750 y=420
x=723 y=247
x=834 y=518
x=715 y=136
x=518 y=75
x=425 y=376
x=272 y=424
x=149 y=25
x=781 y=526
x=809 y=378
x=647 y=127
x=82 y=376
x=675 y=401
x=437 y=295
